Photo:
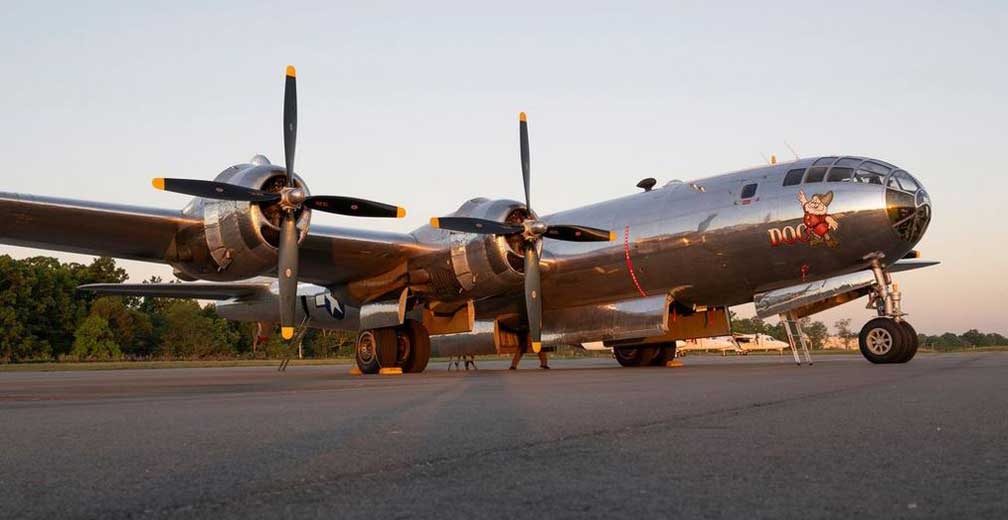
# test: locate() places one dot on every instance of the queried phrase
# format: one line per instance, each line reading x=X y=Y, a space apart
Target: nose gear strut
x=889 y=338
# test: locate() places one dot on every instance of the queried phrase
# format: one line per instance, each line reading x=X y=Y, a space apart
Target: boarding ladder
x=792 y=326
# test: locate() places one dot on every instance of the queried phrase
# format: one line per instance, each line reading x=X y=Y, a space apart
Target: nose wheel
x=888 y=338
x=884 y=340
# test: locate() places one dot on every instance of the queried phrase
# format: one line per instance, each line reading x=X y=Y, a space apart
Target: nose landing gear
x=888 y=338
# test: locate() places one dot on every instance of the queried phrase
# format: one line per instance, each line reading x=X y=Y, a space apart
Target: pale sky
x=415 y=103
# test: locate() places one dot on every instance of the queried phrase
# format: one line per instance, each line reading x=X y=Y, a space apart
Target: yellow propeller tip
x=435 y=222
x=522 y=118
x=287 y=332
x=400 y=212
x=291 y=71
x=158 y=183
x=612 y=236
x=536 y=346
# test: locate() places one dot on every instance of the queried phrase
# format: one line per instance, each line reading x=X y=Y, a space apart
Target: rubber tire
x=896 y=332
x=388 y=347
x=420 y=347
x=666 y=353
x=404 y=346
x=368 y=366
x=635 y=356
x=910 y=348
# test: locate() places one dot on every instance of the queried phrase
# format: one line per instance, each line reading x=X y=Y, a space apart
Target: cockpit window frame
x=861 y=170
x=906 y=181
x=794 y=177
x=834 y=172
x=815 y=174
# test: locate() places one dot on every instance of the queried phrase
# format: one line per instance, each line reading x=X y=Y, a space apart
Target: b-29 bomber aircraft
x=637 y=273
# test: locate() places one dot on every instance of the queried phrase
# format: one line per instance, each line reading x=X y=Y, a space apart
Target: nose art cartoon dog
x=817 y=218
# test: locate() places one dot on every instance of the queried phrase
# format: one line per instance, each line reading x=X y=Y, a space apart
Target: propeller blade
x=475 y=225
x=353 y=207
x=287 y=272
x=214 y=190
x=526 y=164
x=533 y=296
x=572 y=233
x=290 y=122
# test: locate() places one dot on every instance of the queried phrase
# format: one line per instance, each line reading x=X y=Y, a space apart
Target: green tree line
x=43 y=317
x=968 y=339
x=816 y=331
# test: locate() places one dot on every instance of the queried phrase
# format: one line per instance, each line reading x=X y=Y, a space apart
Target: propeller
x=291 y=199
x=532 y=231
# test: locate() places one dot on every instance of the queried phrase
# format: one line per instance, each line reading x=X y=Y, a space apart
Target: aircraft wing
x=93 y=228
x=336 y=256
x=199 y=290
x=329 y=255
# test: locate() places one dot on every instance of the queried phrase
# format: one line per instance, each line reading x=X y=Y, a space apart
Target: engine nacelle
x=238 y=239
x=486 y=265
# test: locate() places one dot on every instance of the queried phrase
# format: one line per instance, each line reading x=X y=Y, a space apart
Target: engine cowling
x=238 y=239
x=482 y=265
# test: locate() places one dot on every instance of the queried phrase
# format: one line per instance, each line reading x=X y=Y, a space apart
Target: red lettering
x=775 y=236
x=789 y=235
x=803 y=234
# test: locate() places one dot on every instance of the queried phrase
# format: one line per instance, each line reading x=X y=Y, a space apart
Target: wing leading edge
x=94 y=228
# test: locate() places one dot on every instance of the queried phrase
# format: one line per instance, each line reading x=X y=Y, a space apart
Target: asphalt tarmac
x=751 y=437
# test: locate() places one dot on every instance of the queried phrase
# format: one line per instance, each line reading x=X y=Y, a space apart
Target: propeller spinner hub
x=293 y=198
x=534 y=228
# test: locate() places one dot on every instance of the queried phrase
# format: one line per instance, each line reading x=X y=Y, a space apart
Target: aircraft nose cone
x=909 y=208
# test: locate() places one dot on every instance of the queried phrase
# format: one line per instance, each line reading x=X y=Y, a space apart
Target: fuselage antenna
x=792 y=150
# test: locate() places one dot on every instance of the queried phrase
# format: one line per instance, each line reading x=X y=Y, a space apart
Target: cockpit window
x=815 y=174
x=906 y=181
x=849 y=161
x=870 y=172
x=824 y=161
x=794 y=177
x=837 y=174
x=875 y=167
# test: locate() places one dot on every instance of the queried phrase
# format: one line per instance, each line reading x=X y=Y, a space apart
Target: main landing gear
x=888 y=338
x=645 y=355
x=406 y=346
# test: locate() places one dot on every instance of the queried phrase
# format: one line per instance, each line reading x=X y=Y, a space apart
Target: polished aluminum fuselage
x=704 y=244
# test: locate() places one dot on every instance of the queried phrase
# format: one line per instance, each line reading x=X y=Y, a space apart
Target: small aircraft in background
x=722 y=344
x=756 y=342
